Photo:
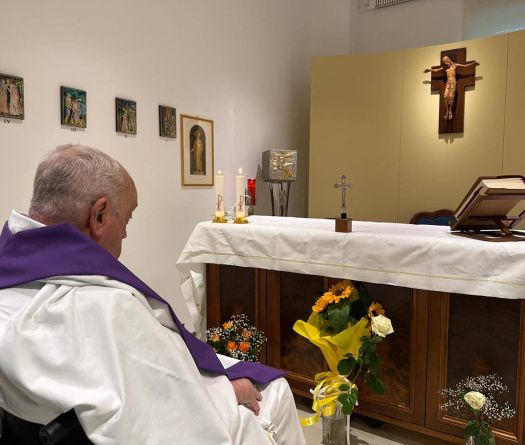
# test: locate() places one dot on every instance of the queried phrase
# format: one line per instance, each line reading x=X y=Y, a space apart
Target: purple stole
x=62 y=250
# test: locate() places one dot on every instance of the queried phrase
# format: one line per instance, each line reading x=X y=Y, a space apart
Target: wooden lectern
x=487 y=212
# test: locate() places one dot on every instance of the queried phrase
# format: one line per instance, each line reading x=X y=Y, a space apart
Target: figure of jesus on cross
x=450 y=79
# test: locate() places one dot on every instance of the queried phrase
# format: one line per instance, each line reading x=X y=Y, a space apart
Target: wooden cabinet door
x=403 y=357
x=290 y=298
x=470 y=336
x=236 y=290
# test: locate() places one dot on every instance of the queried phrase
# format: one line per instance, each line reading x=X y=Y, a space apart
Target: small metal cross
x=343 y=186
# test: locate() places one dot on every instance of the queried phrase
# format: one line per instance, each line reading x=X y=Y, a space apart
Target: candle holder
x=250 y=196
x=219 y=219
x=240 y=220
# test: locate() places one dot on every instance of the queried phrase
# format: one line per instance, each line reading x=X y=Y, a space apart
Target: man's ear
x=98 y=217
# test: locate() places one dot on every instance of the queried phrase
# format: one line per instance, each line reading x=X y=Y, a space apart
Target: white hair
x=71 y=178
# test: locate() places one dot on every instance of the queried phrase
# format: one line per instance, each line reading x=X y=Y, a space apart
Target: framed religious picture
x=11 y=97
x=167 y=122
x=196 y=146
x=73 y=107
x=126 y=116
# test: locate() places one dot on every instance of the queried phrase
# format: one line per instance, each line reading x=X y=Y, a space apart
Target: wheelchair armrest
x=63 y=426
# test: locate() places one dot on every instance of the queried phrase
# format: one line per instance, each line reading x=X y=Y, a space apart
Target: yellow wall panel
x=356 y=104
x=514 y=152
x=374 y=118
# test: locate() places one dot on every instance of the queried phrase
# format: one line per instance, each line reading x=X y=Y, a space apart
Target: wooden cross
x=452 y=106
x=343 y=186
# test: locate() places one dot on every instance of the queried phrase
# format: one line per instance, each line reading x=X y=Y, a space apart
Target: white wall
x=420 y=23
x=487 y=17
x=330 y=27
x=243 y=63
x=406 y=25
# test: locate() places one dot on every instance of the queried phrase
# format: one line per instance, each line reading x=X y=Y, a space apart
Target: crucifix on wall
x=450 y=79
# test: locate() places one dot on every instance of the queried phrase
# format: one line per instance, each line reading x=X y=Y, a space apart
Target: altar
x=456 y=304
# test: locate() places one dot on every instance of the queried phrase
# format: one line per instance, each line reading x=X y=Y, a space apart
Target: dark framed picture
x=196 y=146
x=73 y=107
x=126 y=116
x=167 y=122
x=11 y=97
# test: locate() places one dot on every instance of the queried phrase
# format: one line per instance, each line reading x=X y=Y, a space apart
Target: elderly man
x=79 y=330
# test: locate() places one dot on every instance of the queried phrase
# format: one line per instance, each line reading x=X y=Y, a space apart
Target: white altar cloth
x=415 y=256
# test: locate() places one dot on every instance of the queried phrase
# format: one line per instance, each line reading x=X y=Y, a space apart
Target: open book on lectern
x=491 y=209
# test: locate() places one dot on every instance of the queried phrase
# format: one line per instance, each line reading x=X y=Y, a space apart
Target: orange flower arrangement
x=236 y=338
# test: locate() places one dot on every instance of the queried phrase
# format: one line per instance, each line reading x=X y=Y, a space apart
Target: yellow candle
x=240 y=208
x=219 y=195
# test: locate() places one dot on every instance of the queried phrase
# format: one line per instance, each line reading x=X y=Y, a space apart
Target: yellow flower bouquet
x=347 y=326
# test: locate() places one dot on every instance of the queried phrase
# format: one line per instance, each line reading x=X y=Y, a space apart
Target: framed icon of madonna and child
x=196 y=151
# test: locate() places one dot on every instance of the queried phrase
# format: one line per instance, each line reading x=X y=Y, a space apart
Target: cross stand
x=343 y=224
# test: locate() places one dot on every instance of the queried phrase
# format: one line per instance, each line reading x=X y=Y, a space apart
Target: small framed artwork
x=167 y=122
x=126 y=116
x=196 y=147
x=11 y=97
x=73 y=107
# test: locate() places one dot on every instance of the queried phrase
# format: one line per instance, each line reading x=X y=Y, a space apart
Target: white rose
x=475 y=399
x=381 y=325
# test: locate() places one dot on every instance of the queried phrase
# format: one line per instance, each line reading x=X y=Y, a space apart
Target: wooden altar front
x=456 y=305
x=440 y=338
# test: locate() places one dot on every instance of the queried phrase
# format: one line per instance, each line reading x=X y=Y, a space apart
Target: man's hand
x=247 y=394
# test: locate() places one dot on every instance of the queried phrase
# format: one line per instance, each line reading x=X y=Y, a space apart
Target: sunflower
x=341 y=290
x=321 y=303
x=375 y=309
x=335 y=294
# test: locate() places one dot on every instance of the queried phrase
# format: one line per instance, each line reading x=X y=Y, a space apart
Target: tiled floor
x=362 y=434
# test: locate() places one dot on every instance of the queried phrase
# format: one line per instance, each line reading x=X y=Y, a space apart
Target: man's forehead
x=134 y=200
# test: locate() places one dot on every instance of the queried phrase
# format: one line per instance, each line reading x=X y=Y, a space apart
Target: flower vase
x=478 y=440
x=335 y=428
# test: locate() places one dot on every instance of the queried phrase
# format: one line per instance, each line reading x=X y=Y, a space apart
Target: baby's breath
x=491 y=386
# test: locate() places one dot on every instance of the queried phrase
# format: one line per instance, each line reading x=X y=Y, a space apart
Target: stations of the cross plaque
x=450 y=79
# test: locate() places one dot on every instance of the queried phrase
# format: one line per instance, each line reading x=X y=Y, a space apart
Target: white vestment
x=99 y=346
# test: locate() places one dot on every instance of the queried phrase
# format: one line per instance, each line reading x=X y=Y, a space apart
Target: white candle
x=240 y=208
x=219 y=195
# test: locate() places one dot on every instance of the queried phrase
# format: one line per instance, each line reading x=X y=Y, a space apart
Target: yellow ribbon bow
x=326 y=392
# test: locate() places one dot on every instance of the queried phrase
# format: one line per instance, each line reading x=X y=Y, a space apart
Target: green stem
x=358 y=371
